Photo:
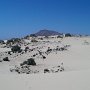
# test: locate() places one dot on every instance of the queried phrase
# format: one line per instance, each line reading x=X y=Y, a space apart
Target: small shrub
x=33 y=40
x=13 y=41
x=25 y=62
x=49 y=50
x=59 y=36
x=41 y=38
x=15 y=49
x=2 y=42
x=68 y=35
x=29 y=62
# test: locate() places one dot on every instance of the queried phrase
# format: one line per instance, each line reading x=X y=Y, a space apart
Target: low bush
x=68 y=35
x=33 y=40
x=29 y=62
x=15 y=49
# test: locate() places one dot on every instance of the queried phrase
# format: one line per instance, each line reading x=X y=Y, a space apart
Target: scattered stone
x=34 y=55
x=33 y=40
x=46 y=71
x=26 y=49
x=6 y=59
x=43 y=57
x=9 y=52
x=0 y=61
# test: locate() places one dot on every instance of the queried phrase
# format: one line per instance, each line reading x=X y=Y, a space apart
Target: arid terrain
x=42 y=63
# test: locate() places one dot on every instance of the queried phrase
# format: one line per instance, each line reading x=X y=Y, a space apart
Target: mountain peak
x=46 y=32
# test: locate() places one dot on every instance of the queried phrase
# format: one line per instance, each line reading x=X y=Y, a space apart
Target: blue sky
x=21 y=17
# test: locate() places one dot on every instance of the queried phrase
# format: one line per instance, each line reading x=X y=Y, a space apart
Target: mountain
x=47 y=33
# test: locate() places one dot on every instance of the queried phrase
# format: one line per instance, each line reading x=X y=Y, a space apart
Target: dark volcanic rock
x=29 y=62
x=6 y=59
x=15 y=49
x=47 y=33
x=46 y=71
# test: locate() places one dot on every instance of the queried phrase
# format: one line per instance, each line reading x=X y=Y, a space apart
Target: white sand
x=76 y=63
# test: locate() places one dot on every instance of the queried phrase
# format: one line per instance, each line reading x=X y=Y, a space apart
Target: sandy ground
x=76 y=75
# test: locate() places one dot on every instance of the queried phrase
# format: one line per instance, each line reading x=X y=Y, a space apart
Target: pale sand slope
x=79 y=80
x=75 y=77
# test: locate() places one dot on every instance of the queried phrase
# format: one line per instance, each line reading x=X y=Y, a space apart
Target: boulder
x=6 y=59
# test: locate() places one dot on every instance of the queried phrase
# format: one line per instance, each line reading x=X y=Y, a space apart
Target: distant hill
x=47 y=33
